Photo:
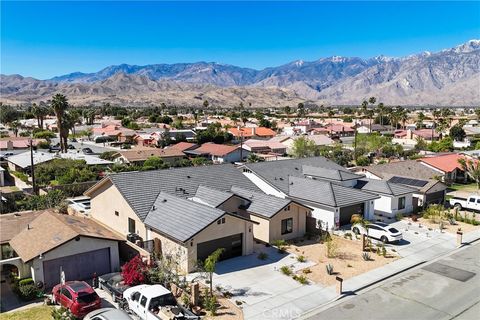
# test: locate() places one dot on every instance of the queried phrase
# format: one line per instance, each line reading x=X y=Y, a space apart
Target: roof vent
x=164 y=200
x=281 y=179
x=154 y=208
x=188 y=177
x=296 y=168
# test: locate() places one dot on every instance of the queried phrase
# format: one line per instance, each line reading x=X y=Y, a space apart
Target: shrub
x=399 y=216
x=307 y=271
x=27 y=292
x=62 y=314
x=366 y=256
x=286 y=270
x=211 y=304
x=20 y=175
x=301 y=279
x=262 y=256
x=329 y=269
x=332 y=247
x=349 y=266
x=301 y=259
x=134 y=271
x=25 y=281
x=280 y=244
x=356 y=218
x=43 y=145
x=384 y=251
x=348 y=235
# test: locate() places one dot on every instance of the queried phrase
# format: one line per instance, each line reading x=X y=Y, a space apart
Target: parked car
x=77 y=296
x=153 y=302
x=379 y=231
x=107 y=314
x=113 y=284
x=472 y=202
x=87 y=151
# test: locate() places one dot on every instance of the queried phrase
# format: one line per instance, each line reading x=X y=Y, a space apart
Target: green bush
x=301 y=279
x=27 y=292
x=211 y=304
x=399 y=216
x=262 y=256
x=20 y=175
x=25 y=281
x=286 y=270
x=301 y=259
x=43 y=145
x=62 y=314
x=363 y=161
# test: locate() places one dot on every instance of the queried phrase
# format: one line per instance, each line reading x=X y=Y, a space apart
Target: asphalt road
x=445 y=289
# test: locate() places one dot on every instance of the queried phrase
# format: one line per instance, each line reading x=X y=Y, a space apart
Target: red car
x=77 y=296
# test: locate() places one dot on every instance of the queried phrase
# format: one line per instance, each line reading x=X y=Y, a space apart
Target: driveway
x=264 y=292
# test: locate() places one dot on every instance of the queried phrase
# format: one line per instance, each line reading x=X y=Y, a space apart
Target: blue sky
x=44 y=39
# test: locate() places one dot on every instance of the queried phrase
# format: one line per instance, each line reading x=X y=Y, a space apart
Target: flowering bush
x=133 y=272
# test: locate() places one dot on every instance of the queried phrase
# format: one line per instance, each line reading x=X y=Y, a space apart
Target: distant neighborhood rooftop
x=23 y=160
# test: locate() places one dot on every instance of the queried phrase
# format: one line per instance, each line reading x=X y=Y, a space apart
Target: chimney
x=409 y=134
x=253 y=131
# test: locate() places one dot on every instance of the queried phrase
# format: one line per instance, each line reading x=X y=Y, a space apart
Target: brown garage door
x=233 y=246
x=77 y=267
x=347 y=212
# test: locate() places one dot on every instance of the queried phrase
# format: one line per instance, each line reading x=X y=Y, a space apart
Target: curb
x=326 y=305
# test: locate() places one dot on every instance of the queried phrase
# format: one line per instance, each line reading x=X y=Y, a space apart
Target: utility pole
x=241 y=145
x=32 y=167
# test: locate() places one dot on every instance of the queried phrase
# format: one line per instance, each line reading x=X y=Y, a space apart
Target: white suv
x=379 y=231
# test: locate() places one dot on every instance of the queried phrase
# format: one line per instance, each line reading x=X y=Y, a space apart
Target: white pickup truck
x=472 y=202
x=153 y=302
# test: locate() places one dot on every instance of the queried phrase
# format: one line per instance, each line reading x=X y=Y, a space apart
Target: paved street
x=445 y=289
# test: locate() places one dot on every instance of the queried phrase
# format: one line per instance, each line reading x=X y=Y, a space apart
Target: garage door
x=77 y=267
x=347 y=212
x=233 y=246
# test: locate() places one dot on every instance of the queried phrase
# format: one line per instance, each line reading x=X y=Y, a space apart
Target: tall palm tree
x=40 y=112
x=60 y=105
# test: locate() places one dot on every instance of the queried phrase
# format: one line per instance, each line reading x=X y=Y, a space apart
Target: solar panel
x=408 y=181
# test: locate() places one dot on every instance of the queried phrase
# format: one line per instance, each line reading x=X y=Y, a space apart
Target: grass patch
x=35 y=313
x=469 y=187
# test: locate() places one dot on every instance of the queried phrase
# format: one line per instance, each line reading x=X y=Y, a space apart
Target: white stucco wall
x=262 y=185
x=388 y=206
x=326 y=216
x=85 y=244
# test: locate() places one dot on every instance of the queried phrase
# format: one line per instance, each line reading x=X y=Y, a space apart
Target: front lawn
x=35 y=313
x=469 y=187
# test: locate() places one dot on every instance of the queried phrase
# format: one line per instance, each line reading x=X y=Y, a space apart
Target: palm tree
x=472 y=169
x=40 y=112
x=287 y=110
x=381 y=111
x=372 y=100
x=15 y=125
x=60 y=105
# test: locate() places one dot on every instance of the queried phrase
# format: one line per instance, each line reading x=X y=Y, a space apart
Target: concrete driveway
x=264 y=292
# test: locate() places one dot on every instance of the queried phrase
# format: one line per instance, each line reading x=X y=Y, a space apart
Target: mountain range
x=450 y=77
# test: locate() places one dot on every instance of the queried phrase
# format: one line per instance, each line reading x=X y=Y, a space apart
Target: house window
x=116 y=213
x=223 y=220
x=401 y=203
x=287 y=225
x=287 y=208
x=131 y=225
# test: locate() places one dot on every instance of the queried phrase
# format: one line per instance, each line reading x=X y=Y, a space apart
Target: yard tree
x=154 y=163
x=303 y=147
x=210 y=264
x=40 y=112
x=457 y=133
x=472 y=169
x=60 y=105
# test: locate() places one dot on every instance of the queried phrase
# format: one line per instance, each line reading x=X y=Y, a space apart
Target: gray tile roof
x=277 y=173
x=383 y=187
x=329 y=174
x=141 y=188
x=180 y=218
x=211 y=196
x=262 y=204
x=326 y=193
x=407 y=168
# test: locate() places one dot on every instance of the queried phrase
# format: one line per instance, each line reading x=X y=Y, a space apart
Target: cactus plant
x=329 y=268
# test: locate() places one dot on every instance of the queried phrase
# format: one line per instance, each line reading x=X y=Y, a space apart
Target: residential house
x=414 y=135
x=183 y=146
x=336 y=131
x=124 y=201
x=411 y=173
x=265 y=146
x=318 y=139
x=394 y=198
x=138 y=156
x=245 y=133
x=22 y=162
x=220 y=153
x=17 y=143
x=315 y=182
x=447 y=166
x=52 y=242
x=383 y=129
x=113 y=132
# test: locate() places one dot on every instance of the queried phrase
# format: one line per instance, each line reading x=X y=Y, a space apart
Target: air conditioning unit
x=132 y=237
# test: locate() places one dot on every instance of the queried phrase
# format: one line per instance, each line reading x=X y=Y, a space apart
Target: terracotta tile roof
x=338 y=128
x=426 y=133
x=251 y=132
x=17 y=142
x=12 y=224
x=182 y=146
x=446 y=163
x=214 y=149
x=50 y=230
x=143 y=154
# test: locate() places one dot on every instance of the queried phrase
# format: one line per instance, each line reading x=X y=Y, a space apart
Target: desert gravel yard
x=347 y=261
